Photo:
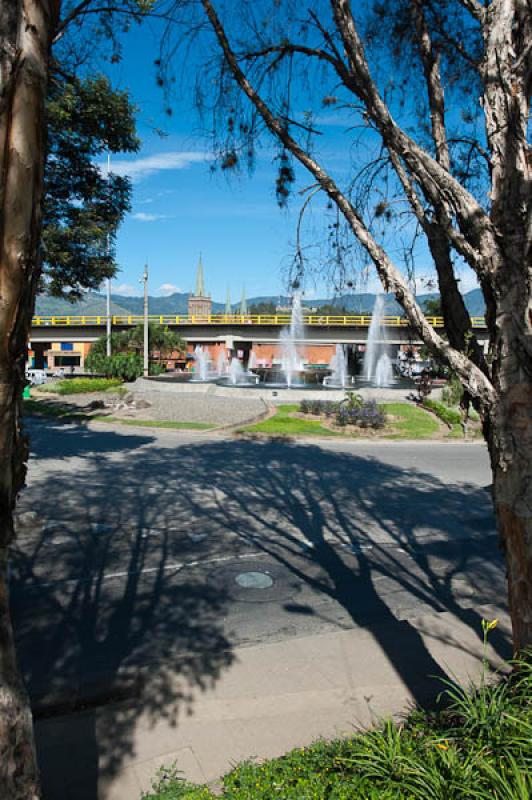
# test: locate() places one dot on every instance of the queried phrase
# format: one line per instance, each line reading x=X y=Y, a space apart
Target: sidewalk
x=274 y=697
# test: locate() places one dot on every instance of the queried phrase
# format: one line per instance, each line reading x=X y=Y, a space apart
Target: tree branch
x=437 y=182
x=392 y=280
x=475 y=9
x=289 y=48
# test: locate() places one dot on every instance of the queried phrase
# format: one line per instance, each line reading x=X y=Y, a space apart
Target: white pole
x=146 y=331
x=108 y=309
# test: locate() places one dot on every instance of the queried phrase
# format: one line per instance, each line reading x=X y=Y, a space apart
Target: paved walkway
x=273 y=698
x=200 y=598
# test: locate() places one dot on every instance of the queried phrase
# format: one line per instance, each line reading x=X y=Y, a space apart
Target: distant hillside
x=91 y=303
x=177 y=303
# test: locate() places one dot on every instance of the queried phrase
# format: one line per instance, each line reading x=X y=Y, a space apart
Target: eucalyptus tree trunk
x=509 y=436
x=25 y=33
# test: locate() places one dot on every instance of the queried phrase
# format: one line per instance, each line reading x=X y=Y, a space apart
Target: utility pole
x=108 y=309
x=146 y=330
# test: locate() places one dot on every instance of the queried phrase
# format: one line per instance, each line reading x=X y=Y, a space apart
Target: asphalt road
x=157 y=550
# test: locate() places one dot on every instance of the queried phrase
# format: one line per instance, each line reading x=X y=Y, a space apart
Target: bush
x=84 y=385
x=448 y=415
x=127 y=366
x=354 y=410
x=453 y=392
x=366 y=415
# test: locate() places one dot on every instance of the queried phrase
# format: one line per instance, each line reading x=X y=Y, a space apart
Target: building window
x=67 y=346
x=67 y=361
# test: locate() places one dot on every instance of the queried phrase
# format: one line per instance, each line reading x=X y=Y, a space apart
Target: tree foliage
x=82 y=206
x=126 y=359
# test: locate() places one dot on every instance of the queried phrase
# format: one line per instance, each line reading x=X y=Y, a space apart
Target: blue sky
x=180 y=209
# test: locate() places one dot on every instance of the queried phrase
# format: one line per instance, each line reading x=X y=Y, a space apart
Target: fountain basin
x=275 y=377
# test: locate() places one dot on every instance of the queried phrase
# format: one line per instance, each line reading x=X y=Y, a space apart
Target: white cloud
x=166 y=289
x=141 y=216
x=139 y=168
x=127 y=290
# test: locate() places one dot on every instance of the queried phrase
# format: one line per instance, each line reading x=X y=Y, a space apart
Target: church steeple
x=243 y=303
x=200 y=282
x=199 y=303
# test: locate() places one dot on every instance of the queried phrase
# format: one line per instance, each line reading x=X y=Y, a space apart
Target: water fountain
x=203 y=373
x=236 y=371
x=384 y=372
x=292 y=372
x=290 y=338
x=238 y=376
x=377 y=367
x=338 y=379
x=221 y=364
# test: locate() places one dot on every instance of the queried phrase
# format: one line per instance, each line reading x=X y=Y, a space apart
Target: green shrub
x=157 y=369
x=82 y=385
x=127 y=366
x=453 y=392
x=451 y=416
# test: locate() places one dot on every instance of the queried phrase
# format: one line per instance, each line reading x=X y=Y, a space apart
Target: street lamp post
x=146 y=331
x=108 y=305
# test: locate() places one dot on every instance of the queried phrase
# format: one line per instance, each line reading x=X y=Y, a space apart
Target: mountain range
x=94 y=303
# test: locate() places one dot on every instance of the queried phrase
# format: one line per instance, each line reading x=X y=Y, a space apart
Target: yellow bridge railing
x=355 y=321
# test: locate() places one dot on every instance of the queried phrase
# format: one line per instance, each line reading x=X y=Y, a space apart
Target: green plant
x=169 y=785
x=453 y=392
x=85 y=385
x=451 y=416
x=127 y=366
x=353 y=401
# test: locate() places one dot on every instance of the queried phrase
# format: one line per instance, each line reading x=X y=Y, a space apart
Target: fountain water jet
x=236 y=371
x=338 y=376
x=203 y=360
x=384 y=372
x=221 y=364
x=291 y=357
x=377 y=367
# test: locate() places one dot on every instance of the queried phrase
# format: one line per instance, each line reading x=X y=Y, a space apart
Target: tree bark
x=510 y=448
x=25 y=34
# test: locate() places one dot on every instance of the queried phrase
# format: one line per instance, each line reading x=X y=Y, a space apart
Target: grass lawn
x=284 y=423
x=478 y=746
x=80 y=385
x=410 y=422
x=156 y=423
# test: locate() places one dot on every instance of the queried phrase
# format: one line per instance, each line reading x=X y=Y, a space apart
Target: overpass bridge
x=65 y=340
x=352 y=329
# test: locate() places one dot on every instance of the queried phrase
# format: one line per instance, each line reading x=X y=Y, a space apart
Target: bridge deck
x=316 y=320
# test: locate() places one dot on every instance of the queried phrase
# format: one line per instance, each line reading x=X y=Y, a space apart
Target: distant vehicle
x=36 y=376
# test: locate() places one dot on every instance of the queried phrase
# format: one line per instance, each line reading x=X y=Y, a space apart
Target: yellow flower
x=442 y=746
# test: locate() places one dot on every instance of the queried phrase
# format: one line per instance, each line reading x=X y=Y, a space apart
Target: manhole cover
x=254 y=580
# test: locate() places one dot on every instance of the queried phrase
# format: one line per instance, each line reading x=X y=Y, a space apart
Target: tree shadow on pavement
x=117 y=602
x=102 y=623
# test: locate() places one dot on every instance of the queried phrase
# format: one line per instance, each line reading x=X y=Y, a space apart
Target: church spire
x=243 y=303
x=228 y=309
x=200 y=283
